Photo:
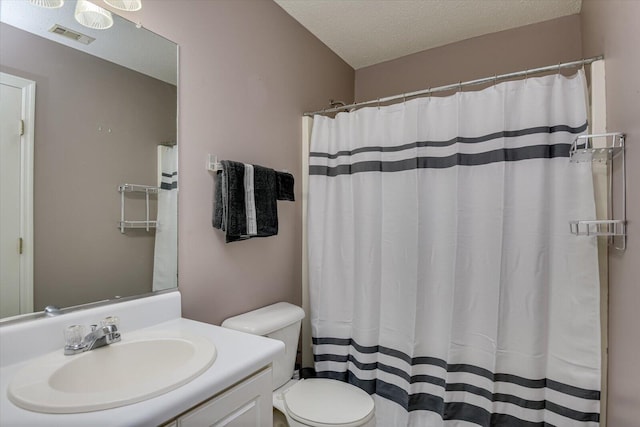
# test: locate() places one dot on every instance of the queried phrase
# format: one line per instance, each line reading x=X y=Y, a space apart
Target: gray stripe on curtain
x=458 y=159
x=169 y=181
x=457 y=139
x=458 y=410
x=425 y=360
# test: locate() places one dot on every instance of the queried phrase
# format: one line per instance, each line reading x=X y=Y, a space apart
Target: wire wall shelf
x=135 y=188
x=597 y=147
x=604 y=148
x=604 y=227
x=146 y=223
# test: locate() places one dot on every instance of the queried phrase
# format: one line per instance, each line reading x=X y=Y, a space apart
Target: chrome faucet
x=99 y=336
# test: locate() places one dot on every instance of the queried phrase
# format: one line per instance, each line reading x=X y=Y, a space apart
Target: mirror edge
x=42 y=315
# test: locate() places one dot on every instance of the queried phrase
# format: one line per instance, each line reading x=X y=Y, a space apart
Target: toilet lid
x=322 y=402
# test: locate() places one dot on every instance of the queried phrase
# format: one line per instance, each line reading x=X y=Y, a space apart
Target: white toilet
x=316 y=402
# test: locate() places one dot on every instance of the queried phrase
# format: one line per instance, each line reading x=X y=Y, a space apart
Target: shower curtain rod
x=460 y=85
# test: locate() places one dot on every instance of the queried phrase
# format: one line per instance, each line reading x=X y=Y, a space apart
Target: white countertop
x=239 y=355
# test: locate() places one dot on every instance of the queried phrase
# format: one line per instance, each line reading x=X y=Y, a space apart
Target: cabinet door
x=248 y=404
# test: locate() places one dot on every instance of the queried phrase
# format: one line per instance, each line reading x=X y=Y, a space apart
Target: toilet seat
x=323 y=402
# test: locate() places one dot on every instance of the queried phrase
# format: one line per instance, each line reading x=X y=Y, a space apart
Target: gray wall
x=247 y=73
x=79 y=255
x=612 y=28
x=517 y=49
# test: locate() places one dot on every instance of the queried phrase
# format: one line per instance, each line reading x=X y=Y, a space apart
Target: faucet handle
x=111 y=324
x=111 y=321
x=74 y=335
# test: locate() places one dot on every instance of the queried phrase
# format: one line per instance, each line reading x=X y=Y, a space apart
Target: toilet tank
x=280 y=321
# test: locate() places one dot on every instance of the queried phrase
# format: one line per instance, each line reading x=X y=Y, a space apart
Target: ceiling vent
x=70 y=34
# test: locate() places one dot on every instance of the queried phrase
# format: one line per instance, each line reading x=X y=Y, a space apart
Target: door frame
x=28 y=88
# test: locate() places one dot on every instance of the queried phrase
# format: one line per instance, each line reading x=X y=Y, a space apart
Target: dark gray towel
x=217 y=202
x=229 y=214
x=265 y=194
x=285 y=186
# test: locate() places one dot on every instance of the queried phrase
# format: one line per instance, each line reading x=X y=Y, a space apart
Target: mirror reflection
x=103 y=115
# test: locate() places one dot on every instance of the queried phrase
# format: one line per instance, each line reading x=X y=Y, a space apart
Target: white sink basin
x=115 y=375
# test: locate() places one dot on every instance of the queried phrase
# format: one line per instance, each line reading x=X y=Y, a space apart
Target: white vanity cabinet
x=246 y=404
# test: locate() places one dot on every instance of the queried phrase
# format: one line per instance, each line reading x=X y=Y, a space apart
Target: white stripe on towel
x=250 y=201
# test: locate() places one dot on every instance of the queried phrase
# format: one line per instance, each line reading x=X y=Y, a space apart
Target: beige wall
x=612 y=28
x=530 y=46
x=79 y=255
x=247 y=73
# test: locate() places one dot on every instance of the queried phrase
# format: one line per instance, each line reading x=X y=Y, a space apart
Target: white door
x=16 y=195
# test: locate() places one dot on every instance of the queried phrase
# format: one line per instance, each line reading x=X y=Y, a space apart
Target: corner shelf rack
x=147 y=223
x=603 y=148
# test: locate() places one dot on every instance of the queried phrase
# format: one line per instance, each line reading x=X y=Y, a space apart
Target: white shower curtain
x=165 y=263
x=443 y=277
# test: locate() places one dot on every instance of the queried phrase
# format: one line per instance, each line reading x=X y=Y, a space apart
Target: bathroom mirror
x=105 y=105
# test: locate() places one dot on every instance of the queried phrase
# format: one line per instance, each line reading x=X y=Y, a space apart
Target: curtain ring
x=526 y=75
x=495 y=79
x=404 y=98
x=378 y=103
x=460 y=86
x=559 y=67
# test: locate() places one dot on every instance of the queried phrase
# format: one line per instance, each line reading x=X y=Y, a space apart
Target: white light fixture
x=92 y=16
x=49 y=4
x=129 y=5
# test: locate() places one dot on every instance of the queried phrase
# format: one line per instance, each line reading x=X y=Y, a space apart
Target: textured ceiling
x=367 y=32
